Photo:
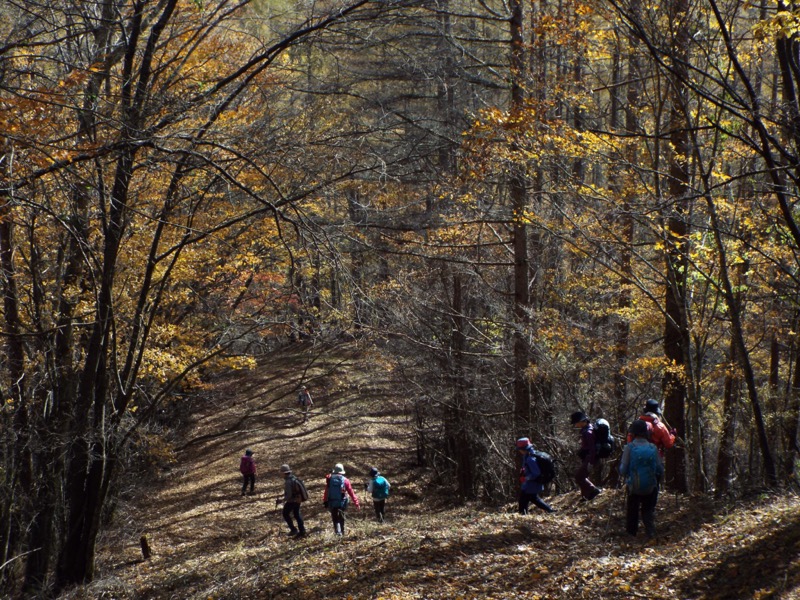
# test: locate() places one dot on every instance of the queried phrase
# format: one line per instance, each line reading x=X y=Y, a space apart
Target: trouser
x=647 y=504
x=251 y=479
x=526 y=498
x=379 y=506
x=588 y=489
x=293 y=509
x=338 y=518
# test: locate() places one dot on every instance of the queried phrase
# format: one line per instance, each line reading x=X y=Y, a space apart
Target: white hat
x=338 y=468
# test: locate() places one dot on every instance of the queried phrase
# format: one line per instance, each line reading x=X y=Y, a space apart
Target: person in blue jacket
x=530 y=488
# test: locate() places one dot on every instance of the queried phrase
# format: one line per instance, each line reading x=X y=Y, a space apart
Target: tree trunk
x=676 y=335
x=519 y=198
x=792 y=424
x=726 y=452
x=464 y=444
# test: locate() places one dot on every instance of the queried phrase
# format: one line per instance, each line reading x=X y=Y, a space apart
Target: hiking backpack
x=380 y=488
x=299 y=489
x=642 y=479
x=548 y=469
x=603 y=440
x=337 y=497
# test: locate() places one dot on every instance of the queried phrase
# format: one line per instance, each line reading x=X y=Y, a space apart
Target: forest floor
x=209 y=542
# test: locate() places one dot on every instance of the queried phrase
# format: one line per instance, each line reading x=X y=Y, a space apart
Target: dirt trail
x=197 y=520
x=209 y=542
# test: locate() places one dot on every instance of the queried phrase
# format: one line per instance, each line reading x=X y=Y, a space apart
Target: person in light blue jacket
x=642 y=468
x=378 y=486
x=530 y=487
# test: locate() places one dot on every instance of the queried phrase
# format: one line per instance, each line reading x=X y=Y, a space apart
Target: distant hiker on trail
x=531 y=486
x=335 y=498
x=305 y=401
x=247 y=467
x=588 y=455
x=642 y=467
x=378 y=486
x=291 y=503
x=660 y=435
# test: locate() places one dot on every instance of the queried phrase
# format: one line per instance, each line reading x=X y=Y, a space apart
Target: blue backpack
x=380 y=488
x=337 y=497
x=642 y=467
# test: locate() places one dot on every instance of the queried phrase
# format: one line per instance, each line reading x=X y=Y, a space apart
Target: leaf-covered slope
x=210 y=542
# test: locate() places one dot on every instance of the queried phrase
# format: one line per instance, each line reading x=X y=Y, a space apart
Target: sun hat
x=285 y=469
x=248 y=452
x=338 y=468
x=523 y=443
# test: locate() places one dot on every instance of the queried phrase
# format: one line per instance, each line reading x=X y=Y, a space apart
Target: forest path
x=209 y=542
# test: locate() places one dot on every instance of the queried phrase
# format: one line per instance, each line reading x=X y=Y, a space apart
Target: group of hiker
x=338 y=491
x=641 y=465
x=336 y=497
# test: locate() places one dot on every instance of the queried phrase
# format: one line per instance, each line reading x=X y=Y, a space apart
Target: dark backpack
x=642 y=479
x=337 y=497
x=299 y=489
x=604 y=442
x=548 y=469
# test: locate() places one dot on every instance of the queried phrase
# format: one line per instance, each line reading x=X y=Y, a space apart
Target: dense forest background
x=531 y=207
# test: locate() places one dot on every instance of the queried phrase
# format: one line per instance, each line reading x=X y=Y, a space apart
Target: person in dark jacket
x=305 y=401
x=291 y=504
x=530 y=487
x=588 y=455
x=247 y=467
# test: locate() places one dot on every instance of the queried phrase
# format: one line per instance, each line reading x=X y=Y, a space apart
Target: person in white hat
x=338 y=493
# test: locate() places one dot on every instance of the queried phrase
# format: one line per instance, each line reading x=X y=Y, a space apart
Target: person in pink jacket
x=338 y=492
x=247 y=467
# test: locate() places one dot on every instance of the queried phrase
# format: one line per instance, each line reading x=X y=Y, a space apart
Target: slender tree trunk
x=792 y=424
x=19 y=477
x=465 y=455
x=726 y=452
x=519 y=198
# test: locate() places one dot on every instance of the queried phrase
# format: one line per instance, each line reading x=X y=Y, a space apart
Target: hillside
x=210 y=542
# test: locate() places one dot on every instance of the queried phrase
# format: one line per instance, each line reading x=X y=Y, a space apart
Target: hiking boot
x=293 y=533
x=302 y=534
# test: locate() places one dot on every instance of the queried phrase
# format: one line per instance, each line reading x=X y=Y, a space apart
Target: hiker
x=291 y=503
x=662 y=436
x=335 y=498
x=305 y=401
x=588 y=455
x=642 y=467
x=531 y=487
x=247 y=467
x=378 y=486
